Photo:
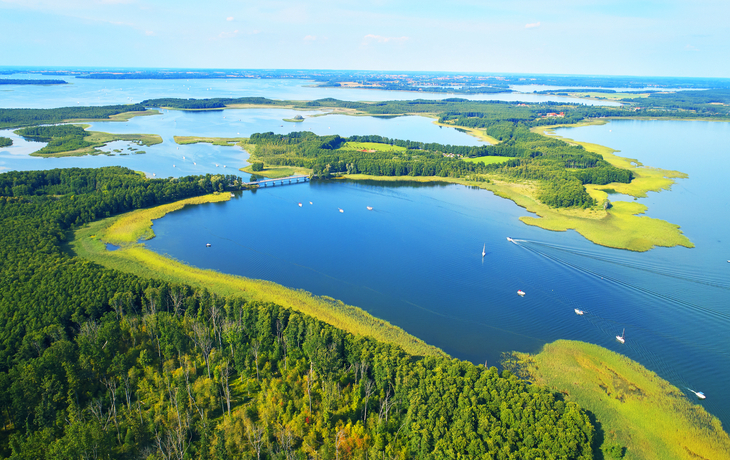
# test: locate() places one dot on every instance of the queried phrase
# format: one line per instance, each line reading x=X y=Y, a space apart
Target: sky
x=590 y=37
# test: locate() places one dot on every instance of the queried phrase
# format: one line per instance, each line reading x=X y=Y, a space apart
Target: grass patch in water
x=636 y=409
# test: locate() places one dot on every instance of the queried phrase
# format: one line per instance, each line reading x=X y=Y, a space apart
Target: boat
x=232 y=195
x=310 y=202
x=511 y=240
x=207 y=245
x=520 y=293
x=370 y=208
x=621 y=337
x=699 y=394
x=484 y=250
x=300 y=205
x=579 y=312
x=340 y=209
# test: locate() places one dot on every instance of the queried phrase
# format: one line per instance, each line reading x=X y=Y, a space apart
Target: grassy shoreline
x=635 y=408
x=132 y=257
x=100 y=139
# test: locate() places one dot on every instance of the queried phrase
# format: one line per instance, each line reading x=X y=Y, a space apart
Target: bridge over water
x=283 y=181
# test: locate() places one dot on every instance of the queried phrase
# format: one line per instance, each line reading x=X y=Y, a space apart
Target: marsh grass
x=636 y=408
x=223 y=141
x=277 y=172
x=132 y=257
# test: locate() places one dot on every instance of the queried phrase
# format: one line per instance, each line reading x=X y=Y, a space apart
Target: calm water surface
x=415 y=260
x=83 y=91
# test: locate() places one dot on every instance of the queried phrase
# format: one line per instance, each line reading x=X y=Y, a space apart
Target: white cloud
x=149 y=33
x=380 y=39
x=229 y=18
x=532 y=25
x=690 y=48
x=310 y=38
x=228 y=34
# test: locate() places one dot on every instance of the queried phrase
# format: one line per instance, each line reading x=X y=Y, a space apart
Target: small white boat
x=510 y=240
x=699 y=394
x=579 y=312
x=370 y=208
x=621 y=338
x=484 y=250
x=232 y=195
x=520 y=293
x=310 y=202
x=173 y=166
x=340 y=209
x=183 y=158
x=207 y=245
x=300 y=205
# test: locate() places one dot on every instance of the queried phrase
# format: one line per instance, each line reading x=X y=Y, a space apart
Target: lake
x=85 y=91
x=415 y=260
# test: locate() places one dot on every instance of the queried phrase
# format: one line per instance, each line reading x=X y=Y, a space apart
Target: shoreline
x=132 y=257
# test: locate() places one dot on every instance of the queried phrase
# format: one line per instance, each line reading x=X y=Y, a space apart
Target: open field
x=378 y=147
x=133 y=257
x=488 y=160
x=635 y=408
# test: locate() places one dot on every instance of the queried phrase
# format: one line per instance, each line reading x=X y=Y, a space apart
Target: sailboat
x=578 y=312
x=484 y=250
x=370 y=208
x=300 y=205
x=520 y=293
x=621 y=337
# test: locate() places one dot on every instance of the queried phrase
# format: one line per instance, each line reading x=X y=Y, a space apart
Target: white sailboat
x=484 y=250
x=578 y=312
x=520 y=293
x=621 y=337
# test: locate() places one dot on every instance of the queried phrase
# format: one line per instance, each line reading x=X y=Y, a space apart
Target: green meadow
x=635 y=409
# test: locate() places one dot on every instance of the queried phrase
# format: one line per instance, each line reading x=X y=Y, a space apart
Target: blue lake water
x=84 y=91
x=415 y=260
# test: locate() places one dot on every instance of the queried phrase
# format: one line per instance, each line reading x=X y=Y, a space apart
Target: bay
x=415 y=260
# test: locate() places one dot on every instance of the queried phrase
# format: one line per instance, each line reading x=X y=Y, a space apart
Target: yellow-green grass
x=476 y=132
x=124 y=116
x=618 y=227
x=635 y=408
x=293 y=120
x=277 y=172
x=133 y=257
x=488 y=160
x=378 y=147
x=100 y=139
x=224 y=141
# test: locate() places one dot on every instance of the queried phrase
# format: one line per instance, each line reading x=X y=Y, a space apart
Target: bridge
x=282 y=181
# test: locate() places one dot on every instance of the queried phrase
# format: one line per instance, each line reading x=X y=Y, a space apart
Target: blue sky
x=667 y=38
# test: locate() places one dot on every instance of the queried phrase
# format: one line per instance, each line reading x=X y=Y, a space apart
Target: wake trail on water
x=654 y=268
x=677 y=304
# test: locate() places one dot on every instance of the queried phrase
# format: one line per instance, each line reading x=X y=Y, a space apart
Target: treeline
x=96 y=363
x=5 y=141
x=60 y=138
x=15 y=118
x=561 y=169
x=213 y=103
x=9 y=81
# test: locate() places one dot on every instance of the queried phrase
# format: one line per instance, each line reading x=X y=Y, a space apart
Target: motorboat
x=300 y=205
x=207 y=245
x=621 y=338
x=370 y=208
x=579 y=312
x=699 y=394
x=520 y=293
x=340 y=209
x=484 y=250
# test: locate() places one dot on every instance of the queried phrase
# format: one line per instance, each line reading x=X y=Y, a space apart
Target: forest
x=95 y=363
x=5 y=142
x=16 y=118
x=561 y=169
x=10 y=81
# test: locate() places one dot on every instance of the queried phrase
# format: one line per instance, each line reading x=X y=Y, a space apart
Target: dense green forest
x=16 y=118
x=60 y=138
x=562 y=169
x=5 y=142
x=100 y=364
x=9 y=81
